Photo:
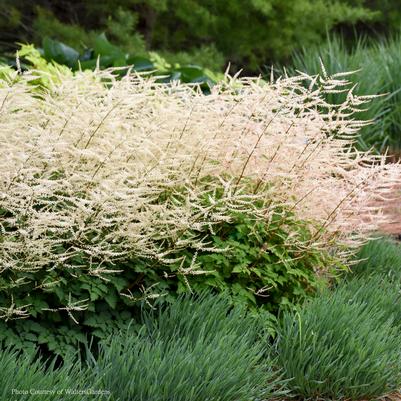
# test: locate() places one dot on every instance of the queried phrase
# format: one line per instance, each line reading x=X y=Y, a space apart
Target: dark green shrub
x=55 y=333
x=260 y=270
x=341 y=347
x=197 y=349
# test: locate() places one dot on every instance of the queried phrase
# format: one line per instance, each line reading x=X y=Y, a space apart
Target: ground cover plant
x=376 y=292
x=197 y=349
x=343 y=345
x=25 y=376
x=116 y=192
x=379 y=257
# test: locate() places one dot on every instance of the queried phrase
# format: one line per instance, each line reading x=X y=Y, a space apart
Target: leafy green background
x=211 y=33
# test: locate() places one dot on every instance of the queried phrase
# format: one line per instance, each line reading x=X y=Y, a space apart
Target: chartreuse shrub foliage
x=55 y=56
x=344 y=344
x=197 y=349
x=117 y=192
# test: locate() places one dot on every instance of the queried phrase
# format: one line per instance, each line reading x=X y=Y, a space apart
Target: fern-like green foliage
x=259 y=268
x=198 y=349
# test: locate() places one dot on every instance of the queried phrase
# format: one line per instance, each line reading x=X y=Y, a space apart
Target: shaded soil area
x=392 y=397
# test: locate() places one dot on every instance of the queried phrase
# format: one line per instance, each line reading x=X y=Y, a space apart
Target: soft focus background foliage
x=213 y=32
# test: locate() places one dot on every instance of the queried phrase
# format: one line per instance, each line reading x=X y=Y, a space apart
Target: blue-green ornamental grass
x=345 y=343
x=198 y=349
x=376 y=67
x=26 y=377
x=379 y=257
x=376 y=293
x=195 y=351
x=340 y=347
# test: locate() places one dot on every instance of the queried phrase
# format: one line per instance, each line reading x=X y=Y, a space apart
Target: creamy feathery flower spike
x=14 y=312
x=144 y=170
x=147 y=295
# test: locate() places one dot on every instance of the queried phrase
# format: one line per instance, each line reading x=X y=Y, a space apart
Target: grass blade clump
x=25 y=376
x=376 y=66
x=375 y=292
x=195 y=350
x=379 y=257
x=340 y=347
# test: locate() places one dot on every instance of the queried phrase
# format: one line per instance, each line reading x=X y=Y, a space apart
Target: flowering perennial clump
x=95 y=170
